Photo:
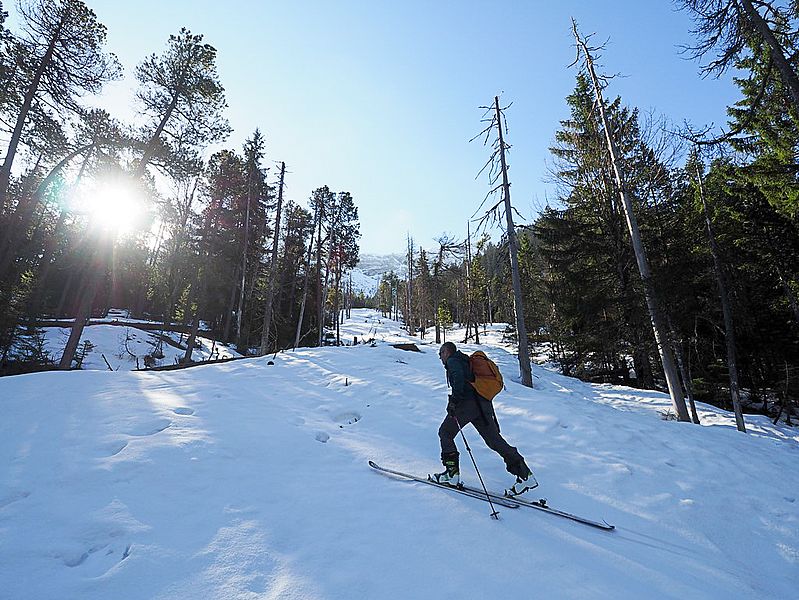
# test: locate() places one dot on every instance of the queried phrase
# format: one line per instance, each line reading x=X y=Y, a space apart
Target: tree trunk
x=792 y=300
x=726 y=309
x=270 y=293
x=409 y=295
x=227 y=324
x=518 y=305
x=686 y=378
x=336 y=301
x=95 y=276
x=149 y=151
x=320 y=306
x=240 y=309
x=307 y=278
x=470 y=285
x=655 y=313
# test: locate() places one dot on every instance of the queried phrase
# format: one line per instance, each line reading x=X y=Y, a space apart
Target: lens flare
x=114 y=205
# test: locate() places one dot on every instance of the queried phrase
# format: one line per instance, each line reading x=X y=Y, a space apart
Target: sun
x=114 y=206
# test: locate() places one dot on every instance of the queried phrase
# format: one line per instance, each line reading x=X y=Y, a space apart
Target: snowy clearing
x=244 y=480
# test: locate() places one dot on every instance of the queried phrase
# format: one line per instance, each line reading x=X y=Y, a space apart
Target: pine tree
x=61 y=57
x=181 y=94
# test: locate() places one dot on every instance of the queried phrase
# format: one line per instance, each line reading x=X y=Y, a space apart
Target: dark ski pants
x=485 y=423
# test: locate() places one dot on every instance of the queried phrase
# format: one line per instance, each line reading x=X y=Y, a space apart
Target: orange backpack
x=487 y=378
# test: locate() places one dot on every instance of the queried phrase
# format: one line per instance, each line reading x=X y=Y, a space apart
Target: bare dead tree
x=659 y=326
x=498 y=169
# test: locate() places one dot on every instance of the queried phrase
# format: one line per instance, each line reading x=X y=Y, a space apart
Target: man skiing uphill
x=467 y=406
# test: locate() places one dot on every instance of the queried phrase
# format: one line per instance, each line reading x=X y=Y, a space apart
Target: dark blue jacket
x=459 y=374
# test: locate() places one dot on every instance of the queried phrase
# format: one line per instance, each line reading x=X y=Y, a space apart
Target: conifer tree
x=179 y=91
x=60 y=56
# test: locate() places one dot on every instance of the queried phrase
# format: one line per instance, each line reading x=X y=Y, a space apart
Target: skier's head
x=447 y=349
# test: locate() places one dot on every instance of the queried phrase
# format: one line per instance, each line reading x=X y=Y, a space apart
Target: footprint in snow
x=182 y=410
x=151 y=428
x=108 y=556
x=347 y=418
x=322 y=437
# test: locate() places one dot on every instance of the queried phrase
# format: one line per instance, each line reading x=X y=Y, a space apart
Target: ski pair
x=471 y=492
x=508 y=502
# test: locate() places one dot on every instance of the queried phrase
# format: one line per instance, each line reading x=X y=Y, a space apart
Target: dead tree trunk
x=655 y=313
x=518 y=304
x=270 y=287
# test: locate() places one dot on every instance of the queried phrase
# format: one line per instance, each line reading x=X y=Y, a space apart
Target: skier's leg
x=446 y=434
x=449 y=453
x=488 y=430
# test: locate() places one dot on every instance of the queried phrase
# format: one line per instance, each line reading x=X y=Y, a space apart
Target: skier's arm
x=457 y=379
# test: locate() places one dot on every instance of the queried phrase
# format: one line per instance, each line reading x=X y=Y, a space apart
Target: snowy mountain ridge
x=371 y=268
x=250 y=480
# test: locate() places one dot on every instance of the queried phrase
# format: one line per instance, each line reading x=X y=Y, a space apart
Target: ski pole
x=495 y=513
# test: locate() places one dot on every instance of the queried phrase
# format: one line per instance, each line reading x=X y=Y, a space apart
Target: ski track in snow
x=248 y=480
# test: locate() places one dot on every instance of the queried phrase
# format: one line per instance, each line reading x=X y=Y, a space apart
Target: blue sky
x=380 y=98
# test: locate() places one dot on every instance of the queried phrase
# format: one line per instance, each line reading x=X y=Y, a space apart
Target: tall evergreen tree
x=183 y=99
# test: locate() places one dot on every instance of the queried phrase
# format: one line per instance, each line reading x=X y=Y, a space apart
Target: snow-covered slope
x=371 y=268
x=250 y=480
x=361 y=282
x=377 y=265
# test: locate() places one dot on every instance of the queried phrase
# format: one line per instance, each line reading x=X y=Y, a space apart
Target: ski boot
x=451 y=475
x=523 y=484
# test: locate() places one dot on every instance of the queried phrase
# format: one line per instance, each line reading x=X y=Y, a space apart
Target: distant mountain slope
x=371 y=268
x=380 y=264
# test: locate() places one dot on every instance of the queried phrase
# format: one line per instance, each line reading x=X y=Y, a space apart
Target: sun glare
x=114 y=206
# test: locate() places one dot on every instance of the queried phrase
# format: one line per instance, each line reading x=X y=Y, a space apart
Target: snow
x=361 y=282
x=122 y=345
x=245 y=480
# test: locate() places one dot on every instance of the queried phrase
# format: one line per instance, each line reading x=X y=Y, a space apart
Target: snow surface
x=122 y=345
x=361 y=282
x=245 y=480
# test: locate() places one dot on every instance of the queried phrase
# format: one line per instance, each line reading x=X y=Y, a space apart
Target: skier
x=467 y=406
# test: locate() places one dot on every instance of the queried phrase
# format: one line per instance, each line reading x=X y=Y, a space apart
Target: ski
x=541 y=504
x=471 y=492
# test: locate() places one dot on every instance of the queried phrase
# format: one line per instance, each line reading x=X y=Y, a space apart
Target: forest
x=97 y=213
x=669 y=258
x=666 y=259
